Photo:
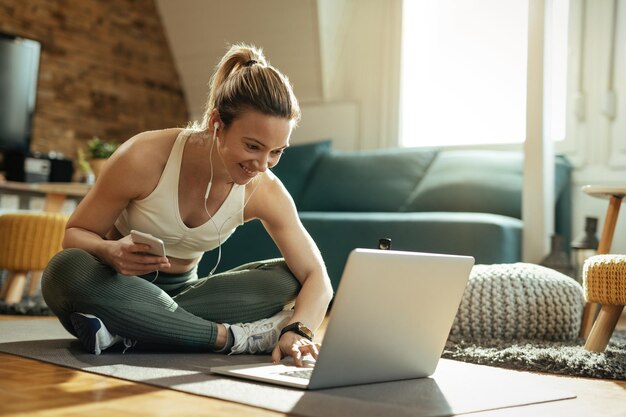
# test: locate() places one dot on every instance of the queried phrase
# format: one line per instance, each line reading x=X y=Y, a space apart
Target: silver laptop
x=390 y=320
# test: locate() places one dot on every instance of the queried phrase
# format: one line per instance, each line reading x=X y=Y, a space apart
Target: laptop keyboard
x=305 y=373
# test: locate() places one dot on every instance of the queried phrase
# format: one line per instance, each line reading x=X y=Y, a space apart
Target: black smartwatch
x=298 y=328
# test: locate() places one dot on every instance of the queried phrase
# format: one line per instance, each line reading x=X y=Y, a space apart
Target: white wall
x=596 y=139
x=338 y=121
x=360 y=44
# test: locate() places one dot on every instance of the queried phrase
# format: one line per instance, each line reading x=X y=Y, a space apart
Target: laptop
x=390 y=320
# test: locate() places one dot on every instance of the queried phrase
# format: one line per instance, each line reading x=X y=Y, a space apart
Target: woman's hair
x=244 y=80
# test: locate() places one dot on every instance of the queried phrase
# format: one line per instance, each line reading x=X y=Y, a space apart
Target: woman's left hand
x=296 y=346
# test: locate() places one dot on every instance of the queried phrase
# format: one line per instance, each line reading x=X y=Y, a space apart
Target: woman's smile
x=248 y=172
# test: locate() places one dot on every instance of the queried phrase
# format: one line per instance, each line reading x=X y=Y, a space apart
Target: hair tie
x=250 y=63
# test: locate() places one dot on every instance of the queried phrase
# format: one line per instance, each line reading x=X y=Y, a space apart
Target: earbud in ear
x=216 y=126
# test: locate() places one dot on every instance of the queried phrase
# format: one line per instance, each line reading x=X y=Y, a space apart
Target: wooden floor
x=32 y=388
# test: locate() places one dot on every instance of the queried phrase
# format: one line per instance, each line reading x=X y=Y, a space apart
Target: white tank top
x=159 y=215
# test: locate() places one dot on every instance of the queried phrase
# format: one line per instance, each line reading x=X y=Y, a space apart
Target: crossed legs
x=181 y=319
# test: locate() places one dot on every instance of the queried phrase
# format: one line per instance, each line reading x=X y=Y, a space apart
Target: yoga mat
x=455 y=388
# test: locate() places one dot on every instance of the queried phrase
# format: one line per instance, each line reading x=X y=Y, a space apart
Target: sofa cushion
x=375 y=180
x=296 y=164
x=485 y=182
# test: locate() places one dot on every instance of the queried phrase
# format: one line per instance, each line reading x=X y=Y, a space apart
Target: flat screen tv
x=19 y=68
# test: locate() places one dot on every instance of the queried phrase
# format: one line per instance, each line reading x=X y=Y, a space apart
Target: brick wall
x=105 y=70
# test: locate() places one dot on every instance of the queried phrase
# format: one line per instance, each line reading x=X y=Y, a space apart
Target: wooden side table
x=55 y=192
x=615 y=195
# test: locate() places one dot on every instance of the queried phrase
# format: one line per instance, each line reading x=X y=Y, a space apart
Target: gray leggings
x=177 y=312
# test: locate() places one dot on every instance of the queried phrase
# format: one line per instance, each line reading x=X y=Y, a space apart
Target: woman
x=192 y=188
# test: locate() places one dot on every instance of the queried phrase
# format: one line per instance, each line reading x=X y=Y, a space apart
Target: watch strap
x=299 y=328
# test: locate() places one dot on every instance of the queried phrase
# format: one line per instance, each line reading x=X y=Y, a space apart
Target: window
x=464 y=71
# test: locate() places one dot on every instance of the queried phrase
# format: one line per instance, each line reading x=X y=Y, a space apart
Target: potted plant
x=98 y=151
x=85 y=173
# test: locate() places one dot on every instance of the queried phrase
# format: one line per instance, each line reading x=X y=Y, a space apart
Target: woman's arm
x=273 y=205
x=124 y=178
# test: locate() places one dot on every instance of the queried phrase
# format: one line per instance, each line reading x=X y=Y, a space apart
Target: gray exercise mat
x=455 y=388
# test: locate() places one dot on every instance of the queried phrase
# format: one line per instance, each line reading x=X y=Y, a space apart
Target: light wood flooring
x=32 y=388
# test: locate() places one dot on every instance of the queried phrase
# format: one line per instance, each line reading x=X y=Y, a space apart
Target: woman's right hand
x=129 y=258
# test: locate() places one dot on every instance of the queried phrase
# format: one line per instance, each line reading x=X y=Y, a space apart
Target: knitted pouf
x=519 y=301
x=604 y=279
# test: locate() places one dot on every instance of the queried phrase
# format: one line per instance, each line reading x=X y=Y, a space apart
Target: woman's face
x=252 y=143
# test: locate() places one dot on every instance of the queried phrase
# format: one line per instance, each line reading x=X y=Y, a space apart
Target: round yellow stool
x=605 y=283
x=27 y=242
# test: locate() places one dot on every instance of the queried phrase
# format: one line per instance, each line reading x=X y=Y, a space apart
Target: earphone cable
x=217 y=229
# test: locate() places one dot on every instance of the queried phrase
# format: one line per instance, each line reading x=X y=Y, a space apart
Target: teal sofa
x=447 y=201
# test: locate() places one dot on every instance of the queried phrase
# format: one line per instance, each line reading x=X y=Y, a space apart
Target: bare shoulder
x=268 y=198
x=151 y=144
x=142 y=158
x=267 y=185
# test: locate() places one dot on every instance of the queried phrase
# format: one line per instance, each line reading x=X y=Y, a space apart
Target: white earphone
x=216 y=126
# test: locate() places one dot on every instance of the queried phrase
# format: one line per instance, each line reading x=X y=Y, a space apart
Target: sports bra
x=159 y=215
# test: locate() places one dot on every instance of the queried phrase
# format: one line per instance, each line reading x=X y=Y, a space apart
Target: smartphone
x=156 y=245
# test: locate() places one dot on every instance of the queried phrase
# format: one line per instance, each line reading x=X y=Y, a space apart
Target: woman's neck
x=220 y=174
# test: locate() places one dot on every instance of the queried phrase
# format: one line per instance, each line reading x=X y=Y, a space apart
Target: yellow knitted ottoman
x=604 y=279
x=27 y=242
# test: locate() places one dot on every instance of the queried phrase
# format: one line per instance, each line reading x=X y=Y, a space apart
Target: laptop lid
x=391 y=317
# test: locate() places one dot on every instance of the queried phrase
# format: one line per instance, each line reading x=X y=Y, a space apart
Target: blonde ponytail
x=244 y=80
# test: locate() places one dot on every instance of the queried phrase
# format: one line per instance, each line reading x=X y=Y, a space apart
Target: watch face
x=299 y=328
x=305 y=330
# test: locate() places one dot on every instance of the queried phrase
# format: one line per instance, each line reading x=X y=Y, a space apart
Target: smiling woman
x=200 y=184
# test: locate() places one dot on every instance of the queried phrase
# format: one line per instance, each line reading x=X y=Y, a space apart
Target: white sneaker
x=259 y=336
x=93 y=334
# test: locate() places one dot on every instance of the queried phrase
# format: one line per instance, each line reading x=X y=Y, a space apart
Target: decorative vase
x=558 y=259
x=585 y=246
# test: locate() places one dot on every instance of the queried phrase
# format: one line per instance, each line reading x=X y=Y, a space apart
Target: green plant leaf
x=99 y=149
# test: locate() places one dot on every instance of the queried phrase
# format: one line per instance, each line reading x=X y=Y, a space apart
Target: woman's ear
x=215 y=121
